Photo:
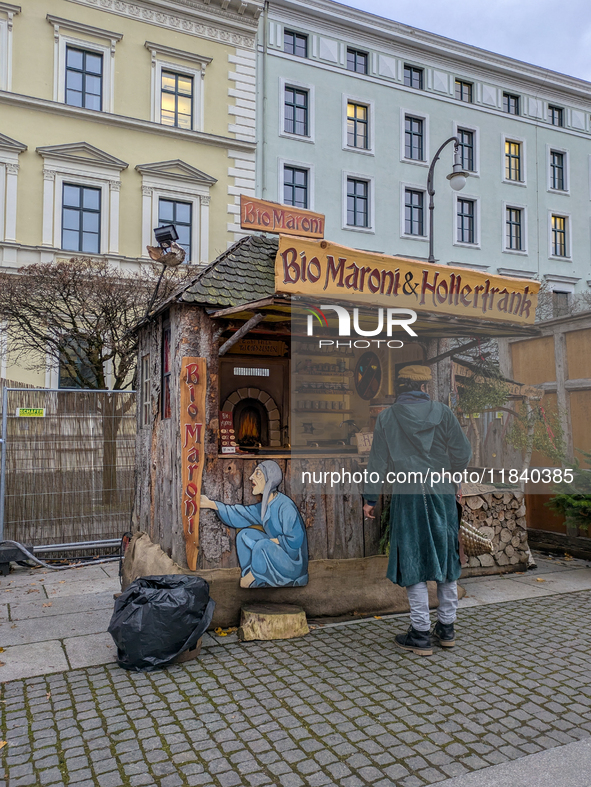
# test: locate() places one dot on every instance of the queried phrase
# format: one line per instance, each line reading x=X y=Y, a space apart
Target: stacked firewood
x=499 y=516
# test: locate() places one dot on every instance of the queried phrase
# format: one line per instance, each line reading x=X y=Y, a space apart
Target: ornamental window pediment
x=84 y=64
x=82 y=154
x=81 y=185
x=177 y=86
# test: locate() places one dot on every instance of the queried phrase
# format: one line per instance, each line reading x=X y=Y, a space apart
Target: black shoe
x=416 y=641
x=444 y=634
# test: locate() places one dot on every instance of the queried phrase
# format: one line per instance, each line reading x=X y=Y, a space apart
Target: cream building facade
x=116 y=116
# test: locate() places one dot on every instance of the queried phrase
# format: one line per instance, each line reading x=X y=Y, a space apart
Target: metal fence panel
x=69 y=472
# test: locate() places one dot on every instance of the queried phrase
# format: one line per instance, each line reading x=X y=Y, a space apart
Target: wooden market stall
x=232 y=350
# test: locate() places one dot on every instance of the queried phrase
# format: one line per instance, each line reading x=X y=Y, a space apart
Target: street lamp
x=457 y=180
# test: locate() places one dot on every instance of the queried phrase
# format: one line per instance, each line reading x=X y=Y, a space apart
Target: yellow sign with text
x=30 y=412
x=324 y=270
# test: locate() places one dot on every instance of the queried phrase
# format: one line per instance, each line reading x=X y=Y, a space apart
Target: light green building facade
x=374 y=100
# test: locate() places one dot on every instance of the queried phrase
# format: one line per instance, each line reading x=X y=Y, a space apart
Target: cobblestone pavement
x=340 y=707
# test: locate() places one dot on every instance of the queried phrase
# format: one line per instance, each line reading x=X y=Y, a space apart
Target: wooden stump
x=272 y=621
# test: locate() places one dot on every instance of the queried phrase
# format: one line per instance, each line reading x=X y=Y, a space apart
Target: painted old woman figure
x=413 y=437
x=271 y=543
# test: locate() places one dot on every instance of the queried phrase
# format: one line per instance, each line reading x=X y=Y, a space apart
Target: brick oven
x=254 y=391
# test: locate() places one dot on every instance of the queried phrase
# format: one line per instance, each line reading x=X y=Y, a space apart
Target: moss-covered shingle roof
x=243 y=273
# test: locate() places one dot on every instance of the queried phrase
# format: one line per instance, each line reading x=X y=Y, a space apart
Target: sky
x=555 y=35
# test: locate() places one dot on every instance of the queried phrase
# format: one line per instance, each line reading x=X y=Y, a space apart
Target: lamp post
x=457 y=180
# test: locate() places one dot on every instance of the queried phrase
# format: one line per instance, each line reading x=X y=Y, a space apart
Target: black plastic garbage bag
x=158 y=618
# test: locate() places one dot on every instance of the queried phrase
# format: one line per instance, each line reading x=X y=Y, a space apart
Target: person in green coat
x=413 y=437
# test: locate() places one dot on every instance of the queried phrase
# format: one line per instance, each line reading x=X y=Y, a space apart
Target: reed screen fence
x=69 y=472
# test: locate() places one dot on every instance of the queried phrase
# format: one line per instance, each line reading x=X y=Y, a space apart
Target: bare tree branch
x=81 y=314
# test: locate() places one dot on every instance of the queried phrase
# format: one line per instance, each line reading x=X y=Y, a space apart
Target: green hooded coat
x=414 y=439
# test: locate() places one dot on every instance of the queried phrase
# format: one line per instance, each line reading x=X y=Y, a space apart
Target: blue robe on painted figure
x=273 y=565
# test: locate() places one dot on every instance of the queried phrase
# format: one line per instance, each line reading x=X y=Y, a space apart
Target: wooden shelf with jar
x=317 y=354
x=324 y=411
x=345 y=373
x=324 y=390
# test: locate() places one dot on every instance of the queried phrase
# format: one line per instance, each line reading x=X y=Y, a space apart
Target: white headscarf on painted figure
x=273 y=477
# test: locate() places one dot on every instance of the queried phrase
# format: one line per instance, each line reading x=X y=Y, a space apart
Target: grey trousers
x=418 y=598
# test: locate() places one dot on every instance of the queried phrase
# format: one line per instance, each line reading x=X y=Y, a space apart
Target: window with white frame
x=464 y=90
x=84 y=64
x=176 y=99
x=466 y=221
x=558 y=170
x=179 y=213
x=357 y=125
x=513 y=160
x=511 y=103
x=559 y=236
x=414 y=138
x=413 y=77
x=84 y=78
x=561 y=302
x=358 y=202
x=414 y=212
x=295 y=183
x=295 y=43
x=174 y=192
x=296 y=110
x=357 y=61
x=10 y=150
x=7 y=14
x=562 y=289
x=75 y=369
x=177 y=87
x=466 y=138
x=555 y=115
x=81 y=189
x=295 y=186
x=81 y=218
x=469 y=139
x=514 y=229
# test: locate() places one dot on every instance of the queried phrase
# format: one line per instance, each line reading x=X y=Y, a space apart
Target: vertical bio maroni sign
x=192 y=412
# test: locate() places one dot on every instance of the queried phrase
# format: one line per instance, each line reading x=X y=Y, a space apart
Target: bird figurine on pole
x=171 y=256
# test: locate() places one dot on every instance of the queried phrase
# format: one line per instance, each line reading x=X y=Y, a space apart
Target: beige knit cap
x=418 y=372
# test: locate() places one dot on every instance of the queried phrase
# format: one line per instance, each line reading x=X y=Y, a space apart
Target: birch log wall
x=158 y=501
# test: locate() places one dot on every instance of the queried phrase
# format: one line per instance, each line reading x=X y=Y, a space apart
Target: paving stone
x=141 y=780
x=340 y=707
x=112 y=779
x=50 y=776
x=290 y=780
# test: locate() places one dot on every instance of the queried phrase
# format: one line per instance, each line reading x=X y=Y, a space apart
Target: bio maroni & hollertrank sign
x=319 y=268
